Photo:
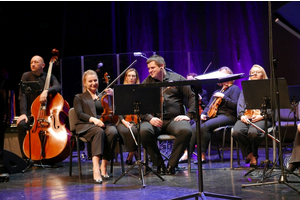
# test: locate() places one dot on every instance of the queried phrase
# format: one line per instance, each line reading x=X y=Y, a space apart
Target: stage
x=55 y=183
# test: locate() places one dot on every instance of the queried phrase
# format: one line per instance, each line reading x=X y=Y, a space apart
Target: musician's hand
x=219 y=94
x=97 y=122
x=200 y=97
x=244 y=119
x=22 y=117
x=203 y=117
x=257 y=118
x=181 y=118
x=299 y=127
x=43 y=97
x=126 y=123
x=156 y=122
x=109 y=91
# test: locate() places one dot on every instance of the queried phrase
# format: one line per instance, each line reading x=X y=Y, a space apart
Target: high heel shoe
x=98 y=181
x=293 y=166
x=254 y=164
x=128 y=162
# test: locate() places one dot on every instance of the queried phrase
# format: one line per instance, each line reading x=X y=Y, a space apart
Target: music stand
x=294 y=92
x=29 y=87
x=136 y=101
x=254 y=91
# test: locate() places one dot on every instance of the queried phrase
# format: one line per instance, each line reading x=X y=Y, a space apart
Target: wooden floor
x=44 y=182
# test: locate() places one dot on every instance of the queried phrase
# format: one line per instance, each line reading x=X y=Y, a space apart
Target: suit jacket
x=84 y=107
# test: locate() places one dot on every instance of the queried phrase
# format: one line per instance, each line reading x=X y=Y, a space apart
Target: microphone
x=137 y=54
x=100 y=64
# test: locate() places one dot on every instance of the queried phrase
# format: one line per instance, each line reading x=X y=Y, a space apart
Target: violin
x=107 y=103
x=249 y=113
x=131 y=118
x=213 y=107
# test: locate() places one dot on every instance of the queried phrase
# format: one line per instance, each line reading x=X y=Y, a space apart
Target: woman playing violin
x=225 y=111
x=248 y=136
x=129 y=121
x=102 y=136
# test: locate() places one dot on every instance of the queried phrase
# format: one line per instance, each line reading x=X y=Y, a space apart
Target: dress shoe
x=293 y=166
x=161 y=169
x=253 y=165
x=183 y=161
x=170 y=170
x=247 y=160
x=203 y=161
x=99 y=181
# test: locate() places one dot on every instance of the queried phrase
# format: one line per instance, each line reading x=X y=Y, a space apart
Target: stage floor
x=218 y=178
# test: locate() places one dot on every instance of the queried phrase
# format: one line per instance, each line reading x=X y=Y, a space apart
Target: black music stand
x=261 y=89
x=136 y=101
x=29 y=87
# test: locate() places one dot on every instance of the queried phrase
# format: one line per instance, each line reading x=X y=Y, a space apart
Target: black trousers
x=103 y=141
x=249 y=137
x=23 y=127
x=127 y=137
x=207 y=128
x=180 y=129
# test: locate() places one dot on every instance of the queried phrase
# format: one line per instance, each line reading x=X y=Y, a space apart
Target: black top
x=29 y=76
x=173 y=97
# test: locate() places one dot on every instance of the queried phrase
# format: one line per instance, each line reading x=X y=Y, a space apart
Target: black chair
x=75 y=138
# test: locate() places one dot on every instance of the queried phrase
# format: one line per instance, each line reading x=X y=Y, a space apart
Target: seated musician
x=203 y=101
x=101 y=134
x=129 y=121
x=225 y=112
x=174 y=121
x=295 y=158
x=37 y=73
x=248 y=136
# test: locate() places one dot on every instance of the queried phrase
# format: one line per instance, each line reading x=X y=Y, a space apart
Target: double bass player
x=37 y=73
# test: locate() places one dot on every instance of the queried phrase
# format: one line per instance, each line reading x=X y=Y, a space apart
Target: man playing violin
x=173 y=119
x=247 y=135
x=37 y=73
x=224 y=111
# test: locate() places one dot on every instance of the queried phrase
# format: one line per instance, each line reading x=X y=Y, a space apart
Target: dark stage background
x=236 y=33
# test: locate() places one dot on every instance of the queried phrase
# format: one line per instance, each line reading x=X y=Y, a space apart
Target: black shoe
x=161 y=169
x=170 y=170
x=247 y=160
x=98 y=181
x=293 y=166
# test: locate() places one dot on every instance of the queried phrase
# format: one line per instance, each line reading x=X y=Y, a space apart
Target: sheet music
x=217 y=75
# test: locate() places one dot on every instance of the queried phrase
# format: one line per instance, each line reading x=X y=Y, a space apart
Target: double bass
x=50 y=138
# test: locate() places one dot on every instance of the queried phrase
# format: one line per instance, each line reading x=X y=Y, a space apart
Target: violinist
x=102 y=135
x=225 y=111
x=249 y=137
x=129 y=121
x=173 y=120
x=203 y=101
x=37 y=73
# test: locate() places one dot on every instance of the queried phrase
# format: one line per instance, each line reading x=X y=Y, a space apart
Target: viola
x=131 y=118
x=213 y=107
x=50 y=139
x=249 y=113
x=107 y=103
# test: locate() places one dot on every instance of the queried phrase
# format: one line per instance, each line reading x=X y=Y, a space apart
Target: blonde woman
x=102 y=136
x=249 y=137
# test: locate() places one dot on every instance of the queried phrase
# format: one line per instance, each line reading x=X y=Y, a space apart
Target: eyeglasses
x=255 y=72
x=133 y=76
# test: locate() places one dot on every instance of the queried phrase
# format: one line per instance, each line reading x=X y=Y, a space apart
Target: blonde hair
x=136 y=73
x=265 y=76
x=85 y=74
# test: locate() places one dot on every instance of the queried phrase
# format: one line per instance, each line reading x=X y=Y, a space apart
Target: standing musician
x=224 y=111
x=247 y=135
x=101 y=134
x=173 y=121
x=129 y=121
x=203 y=101
x=36 y=74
